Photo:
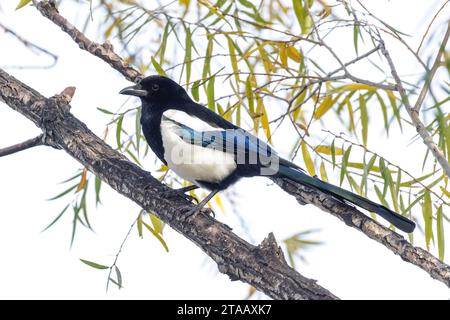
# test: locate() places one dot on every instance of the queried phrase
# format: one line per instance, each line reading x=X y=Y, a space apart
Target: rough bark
x=374 y=230
x=263 y=266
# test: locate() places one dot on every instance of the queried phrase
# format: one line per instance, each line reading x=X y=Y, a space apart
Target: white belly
x=193 y=162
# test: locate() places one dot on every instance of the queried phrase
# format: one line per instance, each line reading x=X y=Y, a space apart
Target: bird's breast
x=194 y=162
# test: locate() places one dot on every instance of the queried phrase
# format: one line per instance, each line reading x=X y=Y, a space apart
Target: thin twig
x=429 y=76
x=37 y=141
x=414 y=115
x=31 y=46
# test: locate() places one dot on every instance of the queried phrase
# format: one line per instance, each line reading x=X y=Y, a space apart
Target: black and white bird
x=202 y=147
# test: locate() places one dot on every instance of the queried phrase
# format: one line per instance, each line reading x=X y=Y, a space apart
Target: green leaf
x=57 y=218
x=139 y=223
x=188 y=54
x=367 y=169
x=333 y=154
x=414 y=181
x=158 y=67
x=162 y=48
x=119 y=131
x=63 y=193
x=428 y=218
x=22 y=4
x=440 y=233
x=384 y=110
x=233 y=59
x=210 y=94
x=104 y=111
x=194 y=90
x=380 y=196
x=119 y=277
x=94 y=265
x=344 y=164
x=364 y=118
x=355 y=37
x=393 y=102
x=98 y=185
x=302 y=15
x=207 y=64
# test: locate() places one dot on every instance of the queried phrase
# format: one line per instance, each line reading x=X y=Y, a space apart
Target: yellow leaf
x=283 y=56
x=233 y=59
x=157 y=224
x=163 y=168
x=303 y=127
x=326 y=105
x=307 y=160
x=327 y=150
x=22 y=4
x=185 y=3
x=251 y=291
x=323 y=173
x=355 y=86
x=264 y=119
x=83 y=180
x=294 y=54
x=219 y=203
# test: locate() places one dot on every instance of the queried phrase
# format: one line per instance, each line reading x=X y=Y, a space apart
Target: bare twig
x=37 y=141
x=32 y=47
x=414 y=114
x=104 y=51
x=429 y=76
x=429 y=26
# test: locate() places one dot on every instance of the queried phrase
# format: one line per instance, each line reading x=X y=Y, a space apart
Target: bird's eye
x=155 y=87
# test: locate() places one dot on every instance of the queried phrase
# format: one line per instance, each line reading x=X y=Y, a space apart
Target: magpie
x=202 y=147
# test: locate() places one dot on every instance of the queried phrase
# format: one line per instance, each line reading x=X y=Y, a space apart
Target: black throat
x=151 y=126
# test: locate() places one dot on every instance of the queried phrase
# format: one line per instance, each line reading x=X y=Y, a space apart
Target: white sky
x=41 y=265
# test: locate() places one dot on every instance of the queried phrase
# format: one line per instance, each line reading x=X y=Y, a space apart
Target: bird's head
x=157 y=92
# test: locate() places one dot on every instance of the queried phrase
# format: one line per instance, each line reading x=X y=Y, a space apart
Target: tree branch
x=349 y=215
x=374 y=230
x=414 y=114
x=263 y=266
x=37 y=141
x=103 y=51
x=434 y=68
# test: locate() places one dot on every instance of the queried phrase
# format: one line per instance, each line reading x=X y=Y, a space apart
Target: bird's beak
x=135 y=90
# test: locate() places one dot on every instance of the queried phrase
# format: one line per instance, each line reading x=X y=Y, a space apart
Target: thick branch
x=374 y=230
x=37 y=141
x=103 y=51
x=352 y=217
x=263 y=266
x=414 y=114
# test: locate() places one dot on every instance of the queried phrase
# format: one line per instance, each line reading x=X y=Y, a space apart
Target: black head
x=158 y=92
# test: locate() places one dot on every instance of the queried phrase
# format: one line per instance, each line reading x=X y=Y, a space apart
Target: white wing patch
x=193 y=162
x=188 y=120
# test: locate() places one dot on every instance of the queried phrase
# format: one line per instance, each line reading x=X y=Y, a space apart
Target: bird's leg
x=199 y=206
x=181 y=193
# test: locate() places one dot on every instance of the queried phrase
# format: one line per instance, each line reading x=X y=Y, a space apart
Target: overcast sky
x=37 y=264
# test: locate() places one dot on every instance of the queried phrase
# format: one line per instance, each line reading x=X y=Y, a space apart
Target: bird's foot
x=189 y=212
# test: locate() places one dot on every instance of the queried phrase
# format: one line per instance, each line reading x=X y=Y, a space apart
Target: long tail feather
x=397 y=220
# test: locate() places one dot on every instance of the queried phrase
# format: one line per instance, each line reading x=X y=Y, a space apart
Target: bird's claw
x=189 y=212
